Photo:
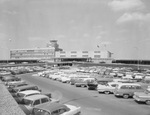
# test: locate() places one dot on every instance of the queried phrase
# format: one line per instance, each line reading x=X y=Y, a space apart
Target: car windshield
x=40 y=112
x=147 y=91
x=27 y=102
x=11 y=86
x=20 y=95
x=15 y=90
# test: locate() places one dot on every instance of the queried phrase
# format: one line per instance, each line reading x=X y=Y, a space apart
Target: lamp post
x=9 y=50
x=138 y=61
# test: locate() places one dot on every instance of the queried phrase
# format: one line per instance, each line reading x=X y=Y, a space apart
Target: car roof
x=26 y=86
x=114 y=82
x=17 y=83
x=35 y=97
x=51 y=106
x=29 y=92
x=104 y=79
x=9 y=77
x=135 y=84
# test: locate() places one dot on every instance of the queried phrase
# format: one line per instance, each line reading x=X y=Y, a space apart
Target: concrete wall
x=8 y=106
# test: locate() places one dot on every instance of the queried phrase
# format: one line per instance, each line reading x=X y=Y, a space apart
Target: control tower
x=53 y=43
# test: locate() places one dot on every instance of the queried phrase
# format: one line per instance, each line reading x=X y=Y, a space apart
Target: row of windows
x=27 y=51
x=97 y=51
x=37 y=54
x=130 y=87
x=95 y=56
x=62 y=52
x=31 y=58
x=31 y=52
x=34 y=56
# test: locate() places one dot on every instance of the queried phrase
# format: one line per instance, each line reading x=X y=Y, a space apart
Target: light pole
x=137 y=58
x=9 y=50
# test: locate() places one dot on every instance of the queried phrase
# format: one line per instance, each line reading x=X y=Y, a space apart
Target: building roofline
x=33 y=49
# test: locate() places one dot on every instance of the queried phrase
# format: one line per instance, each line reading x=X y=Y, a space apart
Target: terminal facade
x=53 y=53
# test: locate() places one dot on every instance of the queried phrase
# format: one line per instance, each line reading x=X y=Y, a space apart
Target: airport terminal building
x=34 y=53
x=53 y=53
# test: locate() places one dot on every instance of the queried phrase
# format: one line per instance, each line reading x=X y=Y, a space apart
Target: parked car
x=128 y=75
x=82 y=82
x=127 y=90
x=10 y=78
x=65 y=79
x=23 y=88
x=93 y=85
x=3 y=76
x=142 y=96
x=22 y=94
x=146 y=78
x=107 y=88
x=10 y=86
x=56 y=109
x=34 y=100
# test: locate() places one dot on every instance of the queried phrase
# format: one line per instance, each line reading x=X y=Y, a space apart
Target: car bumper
x=100 y=90
x=136 y=98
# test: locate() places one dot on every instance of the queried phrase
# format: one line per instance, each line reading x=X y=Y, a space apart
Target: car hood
x=141 y=94
x=23 y=107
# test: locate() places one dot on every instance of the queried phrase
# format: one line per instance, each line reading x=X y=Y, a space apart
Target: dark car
x=92 y=85
x=14 y=85
x=6 y=76
x=10 y=78
x=102 y=81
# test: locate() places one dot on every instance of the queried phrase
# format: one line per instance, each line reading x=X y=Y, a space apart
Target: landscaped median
x=8 y=106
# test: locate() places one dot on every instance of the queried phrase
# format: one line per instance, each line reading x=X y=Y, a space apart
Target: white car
x=32 y=101
x=139 y=76
x=56 y=109
x=14 y=82
x=108 y=88
x=65 y=79
x=55 y=76
x=22 y=94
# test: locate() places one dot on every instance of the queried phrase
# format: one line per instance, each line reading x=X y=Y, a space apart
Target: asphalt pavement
x=91 y=102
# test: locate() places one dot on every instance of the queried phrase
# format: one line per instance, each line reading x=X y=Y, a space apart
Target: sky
x=119 y=26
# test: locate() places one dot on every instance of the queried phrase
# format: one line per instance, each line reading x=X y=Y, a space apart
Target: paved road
x=91 y=102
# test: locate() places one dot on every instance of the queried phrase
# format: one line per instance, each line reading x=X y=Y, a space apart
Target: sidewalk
x=8 y=106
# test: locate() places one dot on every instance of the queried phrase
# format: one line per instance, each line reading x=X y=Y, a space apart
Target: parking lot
x=69 y=85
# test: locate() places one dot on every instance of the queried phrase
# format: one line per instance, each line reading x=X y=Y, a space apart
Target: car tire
x=148 y=102
x=126 y=96
x=107 y=92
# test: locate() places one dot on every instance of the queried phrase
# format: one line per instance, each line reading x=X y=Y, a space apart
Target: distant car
x=56 y=109
x=120 y=74
x=8 y=79
x=65 y=79
x=139 y=76
x=82 y=82
x=107 y=88
x=14 y=82
x=142 y=96
x=146 y=78
x=127 y=90
x=102 y=81
x=55 y=76
x=12 y=63
x=128 y=75
x=32 y=101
